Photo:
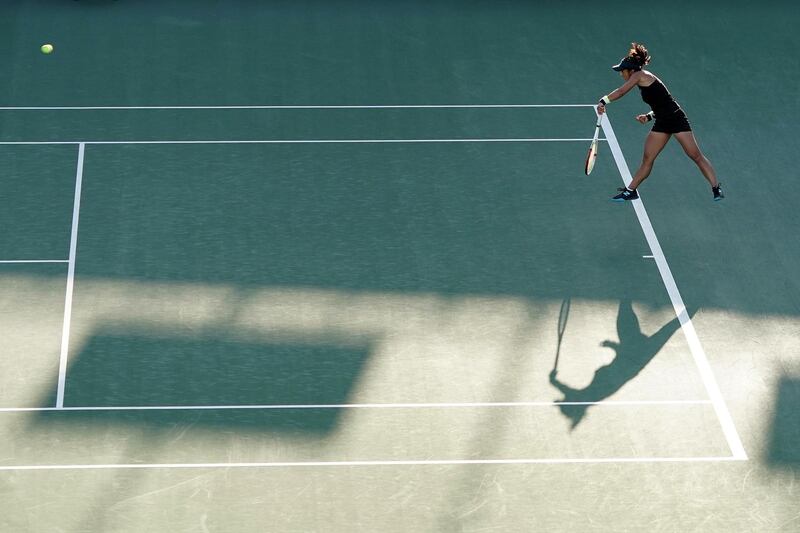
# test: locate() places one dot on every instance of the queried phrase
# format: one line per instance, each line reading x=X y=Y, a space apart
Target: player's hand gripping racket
x=590 y=159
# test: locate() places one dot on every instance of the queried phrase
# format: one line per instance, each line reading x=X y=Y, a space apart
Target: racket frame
x=592 y=155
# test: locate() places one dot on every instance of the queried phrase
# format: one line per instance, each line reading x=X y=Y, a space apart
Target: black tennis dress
x=669 y=116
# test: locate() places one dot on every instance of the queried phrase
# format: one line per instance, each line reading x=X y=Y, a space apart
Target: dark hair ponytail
x=638 y=54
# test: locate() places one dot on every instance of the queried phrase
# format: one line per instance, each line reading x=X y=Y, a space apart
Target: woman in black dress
x=669 y=120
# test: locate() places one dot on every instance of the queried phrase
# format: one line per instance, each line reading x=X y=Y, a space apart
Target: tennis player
x=669 y=120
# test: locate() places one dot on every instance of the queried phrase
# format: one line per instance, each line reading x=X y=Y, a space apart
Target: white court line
x=304 y=141
x=73 y=248
x=222 y=107
x=421 y=462
x=18 y=261
x=700 y=359
x=607 y=403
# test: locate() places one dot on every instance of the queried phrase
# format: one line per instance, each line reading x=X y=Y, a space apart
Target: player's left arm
x=619 y=92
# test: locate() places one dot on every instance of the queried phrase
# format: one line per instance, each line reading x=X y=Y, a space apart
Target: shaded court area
x=785 y=431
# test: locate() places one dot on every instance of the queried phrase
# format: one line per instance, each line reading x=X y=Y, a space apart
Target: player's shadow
x=634 y=351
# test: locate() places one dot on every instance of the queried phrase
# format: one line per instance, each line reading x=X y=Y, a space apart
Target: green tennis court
x=335 y=266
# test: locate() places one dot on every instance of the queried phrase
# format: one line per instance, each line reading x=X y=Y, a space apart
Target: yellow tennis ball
x=47 y=48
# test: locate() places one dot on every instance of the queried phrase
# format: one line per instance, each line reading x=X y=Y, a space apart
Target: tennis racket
x=592 y=156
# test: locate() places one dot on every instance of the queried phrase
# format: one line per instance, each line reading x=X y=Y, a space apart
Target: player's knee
x=695 y=155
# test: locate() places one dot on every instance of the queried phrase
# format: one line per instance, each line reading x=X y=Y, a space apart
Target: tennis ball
x=47 y=48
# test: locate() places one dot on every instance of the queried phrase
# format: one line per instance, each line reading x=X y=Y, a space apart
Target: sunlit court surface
x=336 y=266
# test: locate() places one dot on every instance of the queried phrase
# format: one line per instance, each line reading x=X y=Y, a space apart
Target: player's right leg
x=653 y=144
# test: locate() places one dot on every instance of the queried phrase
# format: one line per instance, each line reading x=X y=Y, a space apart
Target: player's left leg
x=689 y=144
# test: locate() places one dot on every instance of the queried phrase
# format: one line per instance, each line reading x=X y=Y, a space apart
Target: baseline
x=421 y=462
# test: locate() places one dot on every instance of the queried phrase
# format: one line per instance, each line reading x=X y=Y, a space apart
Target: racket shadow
x=563 y=317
